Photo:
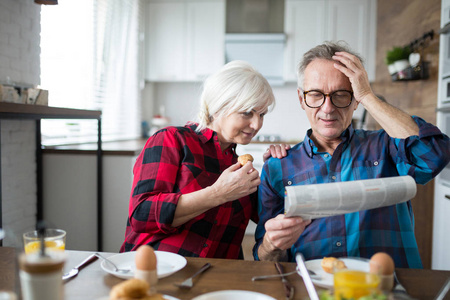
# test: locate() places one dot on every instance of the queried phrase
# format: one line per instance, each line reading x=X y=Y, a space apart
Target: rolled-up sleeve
x=425 y=155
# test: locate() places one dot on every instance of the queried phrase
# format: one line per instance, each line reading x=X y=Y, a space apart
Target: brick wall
x=19 y=63
x=399 y=23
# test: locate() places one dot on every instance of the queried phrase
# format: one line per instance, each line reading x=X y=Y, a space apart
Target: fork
x=188 y=283
x=112 y=264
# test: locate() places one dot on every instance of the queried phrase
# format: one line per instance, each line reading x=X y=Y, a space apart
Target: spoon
x=115 y=267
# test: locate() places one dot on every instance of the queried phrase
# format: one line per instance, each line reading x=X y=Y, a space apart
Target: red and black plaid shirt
x=176 y=161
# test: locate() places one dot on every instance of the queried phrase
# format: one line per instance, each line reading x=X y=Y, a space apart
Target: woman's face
x=238 y=127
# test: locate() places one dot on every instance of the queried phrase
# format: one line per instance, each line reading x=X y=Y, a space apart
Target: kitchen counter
x=125 y=147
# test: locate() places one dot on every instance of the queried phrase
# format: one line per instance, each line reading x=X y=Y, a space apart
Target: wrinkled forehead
x=322 y=75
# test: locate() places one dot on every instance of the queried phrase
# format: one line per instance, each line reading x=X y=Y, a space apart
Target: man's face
x=327 y=121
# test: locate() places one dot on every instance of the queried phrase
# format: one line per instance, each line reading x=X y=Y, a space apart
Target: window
x=90 y=54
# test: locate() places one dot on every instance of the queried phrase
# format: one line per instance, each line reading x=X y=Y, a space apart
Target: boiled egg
x=145 y=258
x=382 y=264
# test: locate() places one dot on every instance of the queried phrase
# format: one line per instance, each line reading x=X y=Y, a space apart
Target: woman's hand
x=278 y=151
x=236 y=182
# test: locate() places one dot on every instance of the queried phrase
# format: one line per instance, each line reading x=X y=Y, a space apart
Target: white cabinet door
x=184 y=39
x=165 y=41
x=441 y=225
x=205 y=38
x=304 y=25
x=309 y=23
x=354 y=22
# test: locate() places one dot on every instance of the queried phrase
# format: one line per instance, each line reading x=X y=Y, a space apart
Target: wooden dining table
x=94 y=283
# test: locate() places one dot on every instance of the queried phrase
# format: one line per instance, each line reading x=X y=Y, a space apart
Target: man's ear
x=300 y=98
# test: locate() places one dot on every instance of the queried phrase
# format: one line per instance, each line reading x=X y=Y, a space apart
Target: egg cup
x=149 y=276
x=386 y=282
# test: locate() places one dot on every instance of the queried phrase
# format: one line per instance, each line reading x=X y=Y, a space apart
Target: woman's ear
x=300 y=98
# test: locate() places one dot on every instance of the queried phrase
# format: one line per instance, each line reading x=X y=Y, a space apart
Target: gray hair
x=323 y=51
x=236 y=87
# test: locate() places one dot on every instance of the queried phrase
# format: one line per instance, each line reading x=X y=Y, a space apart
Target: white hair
x=236 y=87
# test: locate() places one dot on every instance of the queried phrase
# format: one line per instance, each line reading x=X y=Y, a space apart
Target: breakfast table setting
x=221 y=279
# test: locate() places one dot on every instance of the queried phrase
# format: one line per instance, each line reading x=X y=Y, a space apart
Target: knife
x=306 y=278
x=288 y=288
x=77 y=268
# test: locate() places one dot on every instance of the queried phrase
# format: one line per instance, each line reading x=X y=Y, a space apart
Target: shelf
x=29 y=111
x=419 y=72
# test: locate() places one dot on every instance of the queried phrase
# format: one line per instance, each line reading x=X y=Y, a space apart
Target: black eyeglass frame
x=325 y=96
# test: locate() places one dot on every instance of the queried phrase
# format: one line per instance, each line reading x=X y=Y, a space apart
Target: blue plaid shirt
x=361 y=155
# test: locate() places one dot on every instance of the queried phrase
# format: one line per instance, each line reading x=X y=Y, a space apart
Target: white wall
x=20 y=63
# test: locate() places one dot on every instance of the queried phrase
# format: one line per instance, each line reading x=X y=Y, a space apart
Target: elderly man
x=332 y=82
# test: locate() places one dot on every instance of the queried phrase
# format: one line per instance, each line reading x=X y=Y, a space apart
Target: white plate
x=165 y=296
x=167 y=264
x=233 y=295
x=326 y=279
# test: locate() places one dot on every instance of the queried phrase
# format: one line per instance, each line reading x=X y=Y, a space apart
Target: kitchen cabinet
x=184 y=39
x=304 y=25
x=69 y=196
x=311 y=22
x=441 y=220
x=441 y=224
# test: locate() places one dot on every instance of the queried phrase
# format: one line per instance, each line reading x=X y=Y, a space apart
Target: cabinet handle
x=447 y=196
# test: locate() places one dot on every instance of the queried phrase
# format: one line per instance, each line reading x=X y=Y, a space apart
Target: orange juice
x=54 y=239
x=36 y=245
x=349 y=284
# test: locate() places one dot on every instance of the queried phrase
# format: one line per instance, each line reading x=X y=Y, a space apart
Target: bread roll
x=133 y=289
x=243 y=159
x=329 y=264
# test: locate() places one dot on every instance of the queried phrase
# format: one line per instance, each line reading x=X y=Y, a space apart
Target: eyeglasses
x=340 y=98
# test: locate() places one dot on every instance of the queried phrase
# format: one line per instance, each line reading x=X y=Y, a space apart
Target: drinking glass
x=352 y=284
x=54 y=239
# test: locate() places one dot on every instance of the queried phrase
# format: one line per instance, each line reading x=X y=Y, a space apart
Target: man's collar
x=310 y=145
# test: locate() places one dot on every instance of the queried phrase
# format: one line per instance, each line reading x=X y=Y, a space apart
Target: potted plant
x=397 y=59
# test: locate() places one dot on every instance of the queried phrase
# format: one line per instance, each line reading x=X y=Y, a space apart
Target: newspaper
x=329 y=199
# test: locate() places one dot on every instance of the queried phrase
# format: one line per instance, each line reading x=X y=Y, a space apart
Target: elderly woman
x=190 y=195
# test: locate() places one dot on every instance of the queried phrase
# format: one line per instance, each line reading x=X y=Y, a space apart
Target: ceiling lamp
x=48 y=2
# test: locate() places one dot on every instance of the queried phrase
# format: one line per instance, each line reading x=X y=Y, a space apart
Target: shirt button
x=215 y=221
x=289 y=182
x=205 y=245
x=338 y=244
x=333 y=177
x=226 y=152
x=326 y=155
x=375 y=163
